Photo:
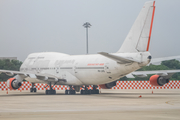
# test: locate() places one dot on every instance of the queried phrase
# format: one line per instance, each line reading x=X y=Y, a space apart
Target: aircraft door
x=106 y=68
x=75 y=68
x=57 y=69
x=38 y=70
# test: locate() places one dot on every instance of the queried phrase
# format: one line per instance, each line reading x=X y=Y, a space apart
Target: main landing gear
x=93 y=91
x=71 y=91
x=33 y=88
x=51 y=91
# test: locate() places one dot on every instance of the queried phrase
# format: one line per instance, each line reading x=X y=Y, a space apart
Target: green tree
x=9 y=65
x=173 y=64
x=154 y=67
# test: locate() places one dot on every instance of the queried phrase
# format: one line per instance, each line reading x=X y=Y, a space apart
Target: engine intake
x=12 y=83
x=108 y=85
x=157 y=80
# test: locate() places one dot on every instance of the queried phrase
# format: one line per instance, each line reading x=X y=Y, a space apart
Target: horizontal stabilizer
x=157 y=61
x=141 y=75
x=130 y=75
x=164 y=73
x=118 y=59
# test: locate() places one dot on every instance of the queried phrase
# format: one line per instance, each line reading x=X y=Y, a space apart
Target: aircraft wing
x=118 y=59
x=157 y=61
x=45 y=77
x=164 y=73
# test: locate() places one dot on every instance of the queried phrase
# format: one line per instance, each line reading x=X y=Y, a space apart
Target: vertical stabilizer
x=138 y=39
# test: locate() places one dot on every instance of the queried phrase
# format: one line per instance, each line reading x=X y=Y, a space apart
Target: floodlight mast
x=87 y=25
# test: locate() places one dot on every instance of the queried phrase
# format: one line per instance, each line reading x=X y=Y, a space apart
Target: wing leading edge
x=44 y=77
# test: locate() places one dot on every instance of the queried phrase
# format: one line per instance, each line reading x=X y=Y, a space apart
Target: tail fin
x=138 y=39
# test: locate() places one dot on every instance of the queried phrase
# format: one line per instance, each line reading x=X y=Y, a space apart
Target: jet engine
x=13 y=83
x=157 y=80
x=108 y=85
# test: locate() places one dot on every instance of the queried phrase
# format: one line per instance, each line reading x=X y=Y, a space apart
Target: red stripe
x=151 y=27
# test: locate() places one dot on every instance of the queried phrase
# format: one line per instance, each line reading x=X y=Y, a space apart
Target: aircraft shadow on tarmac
x=98 y=95
x=136 y=95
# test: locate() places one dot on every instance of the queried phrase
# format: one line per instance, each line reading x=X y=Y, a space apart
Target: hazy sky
x=28 y=26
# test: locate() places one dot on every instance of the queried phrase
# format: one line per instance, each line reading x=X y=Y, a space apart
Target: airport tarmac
x=109 y=105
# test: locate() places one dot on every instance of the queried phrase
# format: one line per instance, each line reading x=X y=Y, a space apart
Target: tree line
x=165 y=65
x=7 y=64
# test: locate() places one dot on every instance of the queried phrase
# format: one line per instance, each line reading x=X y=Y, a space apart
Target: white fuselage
x=81 y=69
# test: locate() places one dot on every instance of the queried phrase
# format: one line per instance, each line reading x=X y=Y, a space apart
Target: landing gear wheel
x=95 y=91
x=71 y=91
x=31 y=89
x=34 y=89
x=82 y=91
x=66 y=92
x=50 y=92
x=85 y=92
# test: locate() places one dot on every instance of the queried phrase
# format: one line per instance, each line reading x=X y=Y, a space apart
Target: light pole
x=87 y=25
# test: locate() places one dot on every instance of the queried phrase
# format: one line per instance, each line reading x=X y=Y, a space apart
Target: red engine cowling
x=157 y=80
x=108 y=85
x=13 y=84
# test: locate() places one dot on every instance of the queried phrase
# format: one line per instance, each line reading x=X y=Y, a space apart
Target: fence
x=120 y=85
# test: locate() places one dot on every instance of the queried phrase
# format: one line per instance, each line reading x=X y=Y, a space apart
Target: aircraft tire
x=34 y=89
x=84 y=92
x=88 y=91
x=66 y=92
x=50 y=92
x=95 y=91
x=70 y=92
x=31 y=89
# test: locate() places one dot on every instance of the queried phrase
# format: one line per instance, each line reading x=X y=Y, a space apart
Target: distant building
x=10 y=58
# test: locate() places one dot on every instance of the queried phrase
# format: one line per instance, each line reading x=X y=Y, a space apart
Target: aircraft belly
x=33 y=80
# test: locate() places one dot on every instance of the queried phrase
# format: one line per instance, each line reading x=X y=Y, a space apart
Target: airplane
x=103 y=69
